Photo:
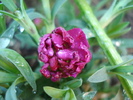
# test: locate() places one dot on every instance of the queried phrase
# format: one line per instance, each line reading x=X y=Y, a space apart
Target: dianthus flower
x=64 y=53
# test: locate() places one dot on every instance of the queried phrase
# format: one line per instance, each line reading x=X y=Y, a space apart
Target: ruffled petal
x=62 y=62
x=50 y=52
x=44 y=71
x=53 y=63
x=65 y=54
x=57 y=40
x=80 y=66
x=74 y=74
x=85 y=53
x=43 y=57
x=66 y=37
x=55 y=76
x=78 y=36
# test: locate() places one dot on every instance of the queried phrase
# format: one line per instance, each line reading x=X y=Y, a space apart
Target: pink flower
x=64 y=53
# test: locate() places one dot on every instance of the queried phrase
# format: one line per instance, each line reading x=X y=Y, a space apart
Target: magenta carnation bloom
x=64 y=53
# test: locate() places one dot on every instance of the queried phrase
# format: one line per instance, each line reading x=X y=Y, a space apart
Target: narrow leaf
x=119 y=95
x=27 y=23
x=125 y=69
x=11 y=92
x=119 y=33
x=7 y=77
x=67 y=96
x=73 y=83
x=46 y=8
x=72 y=95
x=123 y=10
x=8 y=14
x=126 y=76
x=34 y=15
x=6 y=37
x=123 y=42
x=2 y=20
x=21 y=64
x=10 y=5
x=56 y=7
x=118 y=27
x=106 y=18
x=6 y=65
x=99 y=76
x=89 y=95
x=118 y=65
x=54 y=92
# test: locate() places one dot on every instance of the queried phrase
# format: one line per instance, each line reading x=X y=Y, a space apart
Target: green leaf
x=27 y=23
x=34 y=15
x=66 y=17
x=69 y=95
x=21 y=64
x=7 y=77
x=106 y=18
x=128 y=58
x=99 y=76
x=6 y=37
x=117 y=30
x=2 y=24
x=6 y=65
x=56 y=7
x=118 y=65
x=46 y=8
x=10 y=5
x=100 y=5
x=11 y=92
x=54 y=92
x=119 y=33
x=8 y=14
x=126 y=76
x=2 y=20
x=73 y=83
x=114 y=11
x=124 y=69
x=123 y=42
x=77 y=23
x=88 y=95
x=124 y=9
x=72 y=95
x=28 y=40
x=119 y=95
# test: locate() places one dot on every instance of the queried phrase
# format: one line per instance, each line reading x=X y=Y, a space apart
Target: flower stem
x=46 y=8
x=105 y=42
x=28 y=25
x=47 y=11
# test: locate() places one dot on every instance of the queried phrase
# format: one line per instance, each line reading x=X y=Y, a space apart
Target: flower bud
x=64 y=53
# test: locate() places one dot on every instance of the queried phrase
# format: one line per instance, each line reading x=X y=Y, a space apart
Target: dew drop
x=21 y=29
x=17 y=62
x=34 y=91
x=15 y=90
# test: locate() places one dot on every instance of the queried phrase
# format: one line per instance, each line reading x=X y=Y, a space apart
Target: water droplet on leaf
x=34 y=91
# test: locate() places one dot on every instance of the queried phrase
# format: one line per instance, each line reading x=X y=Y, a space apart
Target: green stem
x=46 y=8
x=47 y=11
x=28 y=25
x=105 y=42
x=50 y=26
